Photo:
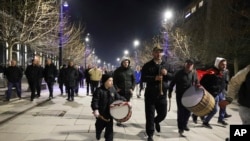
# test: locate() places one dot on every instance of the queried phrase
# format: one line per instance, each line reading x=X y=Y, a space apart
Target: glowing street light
x=168 y=15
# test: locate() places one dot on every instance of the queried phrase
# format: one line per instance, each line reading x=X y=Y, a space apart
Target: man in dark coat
x=50 y=73
x=71 y=78
x=33 y=75
x=156 y=73
x=14 y=75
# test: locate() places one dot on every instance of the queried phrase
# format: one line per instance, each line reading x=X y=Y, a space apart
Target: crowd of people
x=155 y=76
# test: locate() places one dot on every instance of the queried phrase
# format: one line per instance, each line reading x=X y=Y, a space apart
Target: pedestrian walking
x=71 y=78
x=156 y=73
x=102 y=98
x=50 y=73
x=213 y=81
x=14 y=76
x=87 y=78
x=183 y=79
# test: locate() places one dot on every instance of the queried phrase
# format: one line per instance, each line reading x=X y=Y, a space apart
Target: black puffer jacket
x=124 y=79
x=102 y=99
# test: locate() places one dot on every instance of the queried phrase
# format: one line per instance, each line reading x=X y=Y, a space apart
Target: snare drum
x=120 y=111
x=198 y=100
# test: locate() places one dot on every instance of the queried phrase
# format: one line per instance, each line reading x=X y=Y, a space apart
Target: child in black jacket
x=102 y=98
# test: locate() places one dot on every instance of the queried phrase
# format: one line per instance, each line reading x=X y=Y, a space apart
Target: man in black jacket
x=14 y=75
x=124 y=79
x=184 y=79
x=215 y=83
x=50 y=73
x=33 y=74
x=156 y=73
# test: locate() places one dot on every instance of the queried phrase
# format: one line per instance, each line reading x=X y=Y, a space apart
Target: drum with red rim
x=120 y=111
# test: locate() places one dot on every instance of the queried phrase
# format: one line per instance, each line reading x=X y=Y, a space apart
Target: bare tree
x=26 y=21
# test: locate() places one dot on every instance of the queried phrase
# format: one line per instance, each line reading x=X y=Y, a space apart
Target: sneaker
x=186 y=129
x=222 y=122
x=157 y=127
x=227 y=116
x=207 y=125
x=150 y=138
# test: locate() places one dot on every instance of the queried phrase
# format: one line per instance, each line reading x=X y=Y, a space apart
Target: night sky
x=114 y=24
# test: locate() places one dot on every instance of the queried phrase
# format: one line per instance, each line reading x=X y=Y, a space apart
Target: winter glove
x=96 y=113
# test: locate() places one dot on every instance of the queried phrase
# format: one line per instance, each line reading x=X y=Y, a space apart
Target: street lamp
x=167 y=24
x=136 y=44
x=86 y=49
x=62 y=4
x=126 y=52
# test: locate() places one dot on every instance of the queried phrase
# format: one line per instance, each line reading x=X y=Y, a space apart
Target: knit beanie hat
x=105 y=77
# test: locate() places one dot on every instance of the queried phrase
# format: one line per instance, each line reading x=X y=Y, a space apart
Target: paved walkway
x=60 y=120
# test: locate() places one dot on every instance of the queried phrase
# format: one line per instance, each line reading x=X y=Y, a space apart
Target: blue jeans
x=17 y=85
x=222 y=111
x=214 y=111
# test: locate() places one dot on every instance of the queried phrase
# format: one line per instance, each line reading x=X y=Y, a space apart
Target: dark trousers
x=127 y=94
x=50 y=87
x=38 y=87
x=100 y=125
x=9 y=91
x=33 y=86
x=182 y=115
x=71 y=90
x=151 y=105
x=93 y=85
x=61 y=87
x=87 y=84
x=77 y=87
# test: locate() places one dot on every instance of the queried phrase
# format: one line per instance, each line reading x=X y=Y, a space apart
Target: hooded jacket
x=213 y=81
x=124 y=78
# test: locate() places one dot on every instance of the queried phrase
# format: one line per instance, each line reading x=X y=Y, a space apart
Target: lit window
x=193 y=9
x=200 y=3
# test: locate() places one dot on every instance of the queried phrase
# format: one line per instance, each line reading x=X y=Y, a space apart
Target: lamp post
x=136 y=44
x=86 y=50
x=168 y=15
x=62 y=4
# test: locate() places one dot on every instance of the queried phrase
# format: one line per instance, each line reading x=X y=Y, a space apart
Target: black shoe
x=181 y=133
x=150 y=138
x=68 y=99
x=207 y=125
x=227 y=116
x=222 y=122
x=31 y=99
x=227 y=139
x=157 y=127
x=186 y=129
x=194 y=117
x=98 y=137
x=138 y=96
x=118 y=124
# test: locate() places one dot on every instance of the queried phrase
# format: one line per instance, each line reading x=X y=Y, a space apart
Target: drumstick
x=103 y=118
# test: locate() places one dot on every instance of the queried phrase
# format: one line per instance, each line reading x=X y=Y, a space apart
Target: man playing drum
x=183 y=79
x=100 y=104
